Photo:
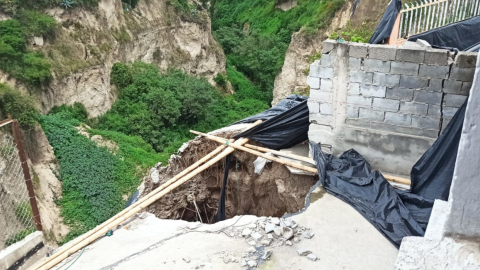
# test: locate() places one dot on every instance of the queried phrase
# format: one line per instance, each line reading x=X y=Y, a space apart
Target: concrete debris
x=252 y=243
x=296 y=239
x=287 y=222
x=265 y=242
x=267 y=255
x=278 y=231
x=289 y=243
x=275 y=220
x=312 y=257
x=246 y=232
x=287 y=233
x=269 y=227
x=252 y=226
x=303 y=252
x=154 y=175
x=226 y=260
x=186 y=259
x=308 y=235
x=269 y=236
x=251 y=250
x=252 y=264
x=243 y=263
x=256 y=236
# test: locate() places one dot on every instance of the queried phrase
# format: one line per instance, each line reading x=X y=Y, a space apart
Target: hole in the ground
x=274 y=192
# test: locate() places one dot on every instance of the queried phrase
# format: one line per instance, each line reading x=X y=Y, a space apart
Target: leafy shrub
x=361 y=34
x=220 y=80
x=35 y=23
x=77 y=111
x=20 y=106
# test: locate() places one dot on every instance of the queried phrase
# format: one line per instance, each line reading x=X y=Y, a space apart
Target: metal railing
x=19 y=214
x=421 y=16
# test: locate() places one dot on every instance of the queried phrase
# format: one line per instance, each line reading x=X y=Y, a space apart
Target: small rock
x=143 y=215
x=275 y=221
x=243 y=263
x=265 y=242
x=233 y=259
x=289 y=243
x=308 y=235
x=186 y=259
x=269 y=236
x=287 y=233
x=256 y=236
x=158 y=165
x=226 y=259
x=277 y=231
x=251 y=250
x=252 y=264
x=246 y=232
x=252 y=243
x=312 y=257
x=296 y=240
x=154 y=175
x=252 y=226
x=269 y=227
x=267 y=255
x=303 y=252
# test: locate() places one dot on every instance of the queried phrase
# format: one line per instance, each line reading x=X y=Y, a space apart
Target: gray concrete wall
x=389 y=103
x=464 y=201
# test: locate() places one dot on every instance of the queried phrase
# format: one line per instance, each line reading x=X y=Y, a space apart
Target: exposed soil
x=273 y=193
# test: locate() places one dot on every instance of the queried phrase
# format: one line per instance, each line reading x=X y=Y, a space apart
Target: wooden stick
x=297 y=157
x=131 y=210
x=239 y=147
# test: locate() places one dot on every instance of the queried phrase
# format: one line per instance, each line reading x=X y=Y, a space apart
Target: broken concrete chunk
x=303 y=252
x=226 y=259
x=267 y=255
x=269 y=227
x=275 y=221
x=287 y=233
x=265 y=242
x=296 y=240
x=287 y=222
x=277 y=231
x=252 y=264
x=252 y=243
x=251 y=250
x=243 y=263
x=269 y=236
x=256 y=236
x=312 y=257
x=289 y=243
x=246 y=232
x=294 y=225
x=308 y=235
x=252 y=226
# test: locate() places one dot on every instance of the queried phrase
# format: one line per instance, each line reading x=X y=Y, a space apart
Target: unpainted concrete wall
x=390 y=103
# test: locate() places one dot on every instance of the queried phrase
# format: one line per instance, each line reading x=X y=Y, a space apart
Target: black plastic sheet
x=385 y=27
x=463 y=35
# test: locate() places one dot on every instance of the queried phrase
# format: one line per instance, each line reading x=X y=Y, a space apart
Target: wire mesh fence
x=16 y=218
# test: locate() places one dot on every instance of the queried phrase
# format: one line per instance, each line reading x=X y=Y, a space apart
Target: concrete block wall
x=407 y=91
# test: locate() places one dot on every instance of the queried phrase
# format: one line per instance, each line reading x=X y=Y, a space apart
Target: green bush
x=77 y=111
x=220 y=80
x=360 y=34
x=19 y=106
x=35 y=23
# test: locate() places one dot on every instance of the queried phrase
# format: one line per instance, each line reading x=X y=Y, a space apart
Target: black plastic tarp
x=463 y=35
x=385 y=27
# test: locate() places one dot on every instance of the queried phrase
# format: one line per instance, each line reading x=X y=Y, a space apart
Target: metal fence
x=421 y=16
x=18 y=209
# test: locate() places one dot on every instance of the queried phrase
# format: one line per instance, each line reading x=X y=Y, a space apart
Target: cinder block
x=369 y=114
x=386 y=104
x=413 y=82
x=414 y=55
x=315 y=69
x=326 y=108
x=466 y=60
x=313 y=82
x=361 y=77
x=466 y=86
x=320 y=95
x=387 y=80
x=400 y=94
x=413 y=108
x=428 y=97
x=398 y=119
x=374 y=65
x=404 y=68
x=326 y=60
x=462 y=74
x=354 y=89
x=435 y=85
x=358 y=50
x=359 y=101
x=355 y=63
x=426 y=122
x=382 y=52
x=313 y=106
x=440 y=72
x=373 y=91
x=452 y=100
x=449 y=112
x=436 y=57
x=452 y=87
x=326 y=73
x=359 y=123
x=326 y=85
x=434 y=110
x=352 y=112
x=320 y=119
x=430 y=133
x=328 y=45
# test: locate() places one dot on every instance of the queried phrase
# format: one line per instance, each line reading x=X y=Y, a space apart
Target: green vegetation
x=255 y=35
x=19 y=106
x=13 y=6
x=15 y=58
x=19 y=236
x=360 y=34
x=24 y=213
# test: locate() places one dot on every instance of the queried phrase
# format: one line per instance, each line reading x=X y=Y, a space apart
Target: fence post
x=394 y=36
x=17 y=136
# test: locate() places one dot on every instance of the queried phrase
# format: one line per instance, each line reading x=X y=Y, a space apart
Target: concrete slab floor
x=343 y=240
